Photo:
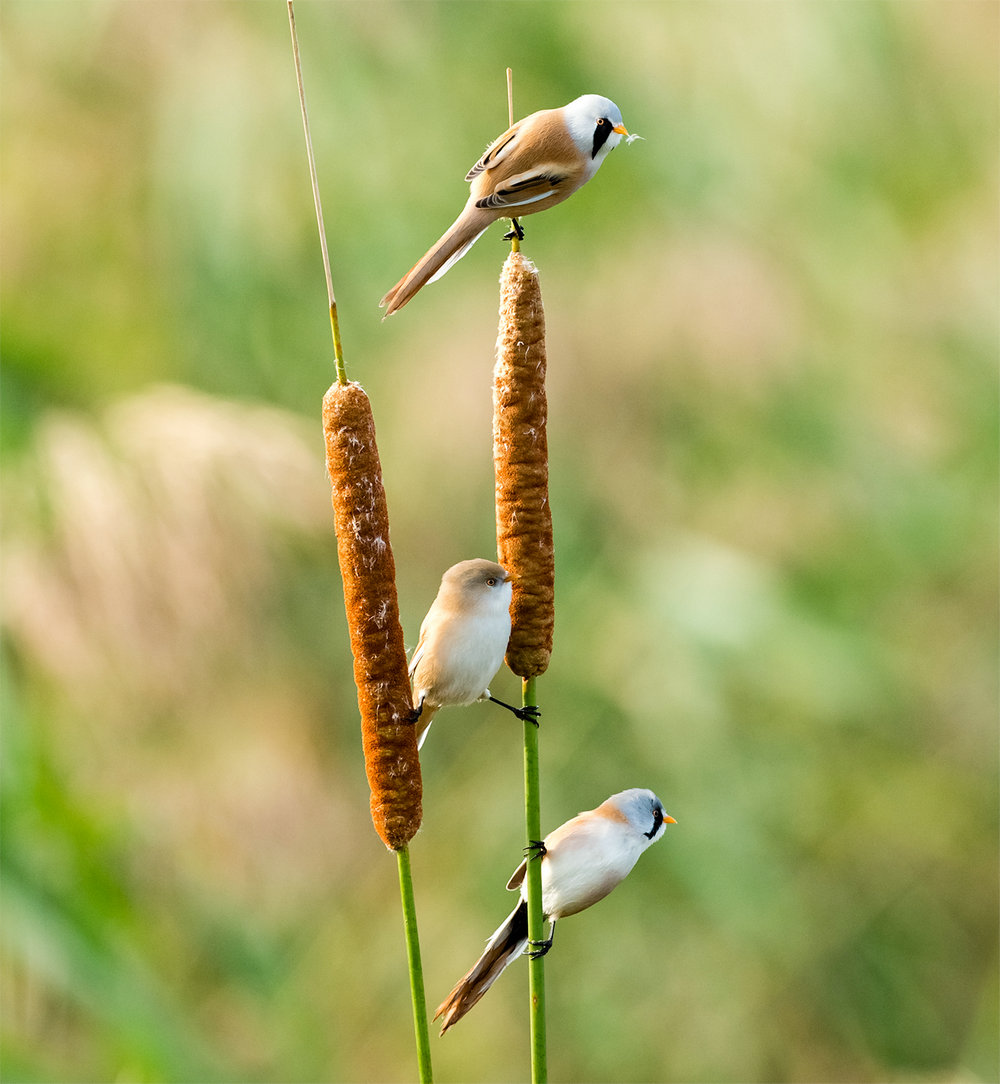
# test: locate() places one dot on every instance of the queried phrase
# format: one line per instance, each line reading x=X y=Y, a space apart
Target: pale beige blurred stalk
x=134 y=544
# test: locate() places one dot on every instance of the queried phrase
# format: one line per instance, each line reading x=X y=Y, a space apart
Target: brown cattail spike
x=369 y=574
x=521 y=462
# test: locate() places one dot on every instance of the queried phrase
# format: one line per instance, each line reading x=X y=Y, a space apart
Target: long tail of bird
x=502 y=948
x=460 y=237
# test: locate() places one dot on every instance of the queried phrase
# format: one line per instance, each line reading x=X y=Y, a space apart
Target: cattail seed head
x=521 y=464
x=369 y=573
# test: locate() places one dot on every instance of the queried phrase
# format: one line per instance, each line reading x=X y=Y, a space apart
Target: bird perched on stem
x=582 y=861
x=534 y=165
x=462 y=642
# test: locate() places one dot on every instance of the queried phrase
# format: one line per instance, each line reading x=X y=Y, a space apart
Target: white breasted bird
x=534 y=165
x=582 y=861
x=462 y=642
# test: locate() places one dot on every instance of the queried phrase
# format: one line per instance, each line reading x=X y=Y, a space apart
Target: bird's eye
x=491 y=581
x=657 y=821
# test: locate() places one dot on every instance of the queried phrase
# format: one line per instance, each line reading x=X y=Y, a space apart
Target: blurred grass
x=773 y=338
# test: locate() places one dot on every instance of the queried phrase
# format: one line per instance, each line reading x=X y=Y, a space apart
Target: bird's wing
x=417 y=652
x=524 y=188
x=496 y=152
x=517 y=877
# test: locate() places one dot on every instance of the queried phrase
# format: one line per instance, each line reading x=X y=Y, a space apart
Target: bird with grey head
x=582 y=861
x=537 y=163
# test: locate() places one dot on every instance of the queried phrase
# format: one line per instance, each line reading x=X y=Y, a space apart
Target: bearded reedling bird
x=462 y=642
x=582 y=861
x=534 y=165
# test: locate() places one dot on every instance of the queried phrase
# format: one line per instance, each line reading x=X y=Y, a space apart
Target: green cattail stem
x=338 y=349
x=420 y=1031
x=536 y=920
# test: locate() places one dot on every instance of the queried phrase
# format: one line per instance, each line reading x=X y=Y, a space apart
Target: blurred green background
x=772 y=334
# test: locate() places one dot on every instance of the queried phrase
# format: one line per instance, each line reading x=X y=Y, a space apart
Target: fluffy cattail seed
x=369 y=574
x=520 y=460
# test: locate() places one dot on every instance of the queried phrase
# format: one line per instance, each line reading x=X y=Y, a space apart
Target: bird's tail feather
x=424 y=723
x=460 y=237
x=502 y=948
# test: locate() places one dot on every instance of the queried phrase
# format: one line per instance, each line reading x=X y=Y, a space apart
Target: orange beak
x=667 y=819
x=620 y=129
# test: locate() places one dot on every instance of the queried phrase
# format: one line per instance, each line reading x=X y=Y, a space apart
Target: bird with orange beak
x=582 y=861
x=534 y=165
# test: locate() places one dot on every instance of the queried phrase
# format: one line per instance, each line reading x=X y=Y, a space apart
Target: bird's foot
x=539 y=948
x=535 y=849
x=517 y=230
x=529 y=714
x=525 y=714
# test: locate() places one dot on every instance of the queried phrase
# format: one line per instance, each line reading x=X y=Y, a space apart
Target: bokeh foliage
x=772 y=340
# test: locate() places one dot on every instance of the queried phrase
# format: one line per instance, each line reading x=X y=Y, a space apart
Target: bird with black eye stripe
x=582 y=861
x=534 y=165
